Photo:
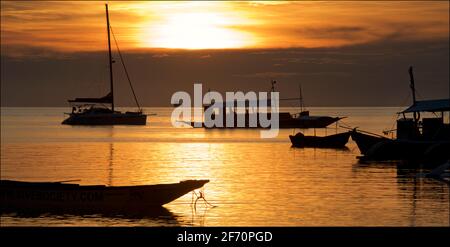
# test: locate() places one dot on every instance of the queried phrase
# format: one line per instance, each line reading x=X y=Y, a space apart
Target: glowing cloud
x=195 y=31
x=79 y=26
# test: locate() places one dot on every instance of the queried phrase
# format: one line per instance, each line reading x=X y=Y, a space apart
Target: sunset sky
x=289 y=37
x=80 y=26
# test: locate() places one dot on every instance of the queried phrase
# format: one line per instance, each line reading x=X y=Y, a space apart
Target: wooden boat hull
x=409 y=150
x=34 y=196
x=366 y=141
x=106 y=119
x=375 y=148
x=331 y=141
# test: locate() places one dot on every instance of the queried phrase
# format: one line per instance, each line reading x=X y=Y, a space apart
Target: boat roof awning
x=106 y=100
x=438 y=105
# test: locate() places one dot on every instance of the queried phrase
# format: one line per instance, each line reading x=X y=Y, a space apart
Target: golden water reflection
x=252 y=181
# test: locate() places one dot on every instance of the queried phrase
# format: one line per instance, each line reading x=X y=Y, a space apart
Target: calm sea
x=253 y=181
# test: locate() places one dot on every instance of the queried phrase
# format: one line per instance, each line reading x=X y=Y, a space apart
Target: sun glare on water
x=195 y=31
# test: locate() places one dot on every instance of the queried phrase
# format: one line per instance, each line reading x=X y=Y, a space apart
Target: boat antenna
x=301 y=96
x=413 y=89
x=126 y=71
x=110 y=60
x=411 y=77
x=273 y=85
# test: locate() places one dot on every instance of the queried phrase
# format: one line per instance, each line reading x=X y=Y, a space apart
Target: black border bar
x=170 y=236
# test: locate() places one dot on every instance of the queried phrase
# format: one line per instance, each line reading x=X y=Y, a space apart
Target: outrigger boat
x=287 y=120
x=365 y=140
x=330 y=141
x=93 y=111
x=23 y=196
x=419 y=139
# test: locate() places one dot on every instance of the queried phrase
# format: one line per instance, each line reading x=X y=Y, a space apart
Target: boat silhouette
x=287 y=120
x=94 y=111
x=19 y=195
x=331 y=141
x=416 y=138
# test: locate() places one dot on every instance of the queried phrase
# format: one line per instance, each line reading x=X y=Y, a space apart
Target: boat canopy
x=439 y=105
x=106 y=99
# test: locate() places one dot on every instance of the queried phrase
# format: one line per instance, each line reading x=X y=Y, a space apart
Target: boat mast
x=110 y=60
x=411 y=77
x=301 y=97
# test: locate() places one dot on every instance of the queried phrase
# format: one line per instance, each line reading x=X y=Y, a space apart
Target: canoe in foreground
x=50 y=195
x=331 y=141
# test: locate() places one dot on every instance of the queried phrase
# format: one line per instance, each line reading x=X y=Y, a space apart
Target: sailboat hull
x=106 y=119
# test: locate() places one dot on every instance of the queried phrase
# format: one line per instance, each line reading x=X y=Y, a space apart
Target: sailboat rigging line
x=125 y=69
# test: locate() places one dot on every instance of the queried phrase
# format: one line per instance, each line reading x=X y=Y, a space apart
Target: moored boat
x=94 y=115
x=417 y=138
x=286 y=120
x=303 y=120
x=365 y=140
x=57 y=195
x=408 y=150
x=330 y=141
x=93 y=111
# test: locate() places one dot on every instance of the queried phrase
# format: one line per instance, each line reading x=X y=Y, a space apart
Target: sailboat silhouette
x=92 y=111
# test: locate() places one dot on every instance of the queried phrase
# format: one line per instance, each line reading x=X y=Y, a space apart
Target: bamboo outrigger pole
x=411 y=77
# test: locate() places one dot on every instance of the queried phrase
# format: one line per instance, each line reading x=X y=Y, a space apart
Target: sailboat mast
x=110 y=60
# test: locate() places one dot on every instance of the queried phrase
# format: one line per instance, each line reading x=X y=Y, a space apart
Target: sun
x=195 y=31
